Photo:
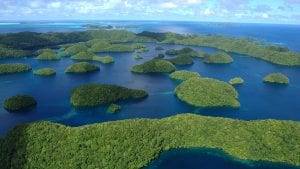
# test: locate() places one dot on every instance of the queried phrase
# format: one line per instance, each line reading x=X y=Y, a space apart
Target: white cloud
x=208 y=12
x=194 y=1
x=55 y=4
x=265 y=15
x=168 y=5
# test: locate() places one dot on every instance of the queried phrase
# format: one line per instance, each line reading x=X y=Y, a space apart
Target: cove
x=208 y=159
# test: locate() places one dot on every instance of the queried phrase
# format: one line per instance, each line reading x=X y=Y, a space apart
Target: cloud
x=55 y=4
x=265 y=15
x=208 y=12
x=168 y=5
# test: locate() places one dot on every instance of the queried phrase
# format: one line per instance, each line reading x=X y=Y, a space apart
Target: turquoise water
x=258 y=100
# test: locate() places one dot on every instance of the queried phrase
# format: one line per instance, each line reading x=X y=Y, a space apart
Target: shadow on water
x=208 y=159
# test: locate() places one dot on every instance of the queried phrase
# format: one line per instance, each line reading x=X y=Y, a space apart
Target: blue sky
x=263 y=11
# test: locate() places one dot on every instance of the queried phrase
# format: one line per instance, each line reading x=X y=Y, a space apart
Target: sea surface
x=258 y=100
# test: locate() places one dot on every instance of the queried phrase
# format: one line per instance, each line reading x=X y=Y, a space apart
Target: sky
x=252 y=11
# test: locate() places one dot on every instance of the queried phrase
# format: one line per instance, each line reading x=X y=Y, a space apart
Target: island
x=45 y=72
x=113 y=108
x=19 y=103
x=99 y=46
x=155 y=65
x=218 y=58
x=181 y=60
x=138 y=57
x=236 y=81
x=159 y=48
x=47 y=54
x=14 y=68
x=207 y=92
x=21 y=44
x=140 y=48
x=183 y=75
x=89 y=56
x=89 y=95
x=74 y=49
x=136 y=142
x=82 y=67
x=277 y=78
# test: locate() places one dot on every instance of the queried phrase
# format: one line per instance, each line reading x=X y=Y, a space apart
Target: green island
x=134 y=143
x=22 y=44
x=181 y=60
x=89 y=56
x=278 y=78
x=82 y=67
x=14 y=68
x=207 y=92
x=186 y=51
x=236 y=81
x=245 y=46
x=219 y=58
x=183 y=75
x=6 y=52
x=98 y=46
x=45 y=72
x=100 y=94
x=155 y=65
x=47 y=54
x=113 y=108
x=138 y=57
x=19 y=103
x=159 y=48
x=74 y=49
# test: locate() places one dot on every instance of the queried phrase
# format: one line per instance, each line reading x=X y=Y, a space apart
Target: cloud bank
x=269 y=11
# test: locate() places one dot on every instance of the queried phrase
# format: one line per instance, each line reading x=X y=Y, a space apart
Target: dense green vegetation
x=134 y=143
x=138 y=57
x=82 y=67
x=99 y=94
x=45 y=72
x=6 y=52
x=99 y=45
x=113 y=108
x=22 y=44
x=47 y=54
x=74 y=49
x=182 y=60
x=183 y=75
x=276 y=78
x=236 y=81
x=247 y=46
x=14 y=68
x=19 y=103
x=186 y=52
x=86 y=56
x=172 y=52
x=138 y=46
x=219 y=57
x=155 y=65
x=207 y=92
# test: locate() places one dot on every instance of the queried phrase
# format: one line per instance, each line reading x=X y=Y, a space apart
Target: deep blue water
x=207 y=159
x=258 y=100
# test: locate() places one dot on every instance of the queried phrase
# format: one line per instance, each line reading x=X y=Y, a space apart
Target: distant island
x=25 y=43
x=278 y=78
